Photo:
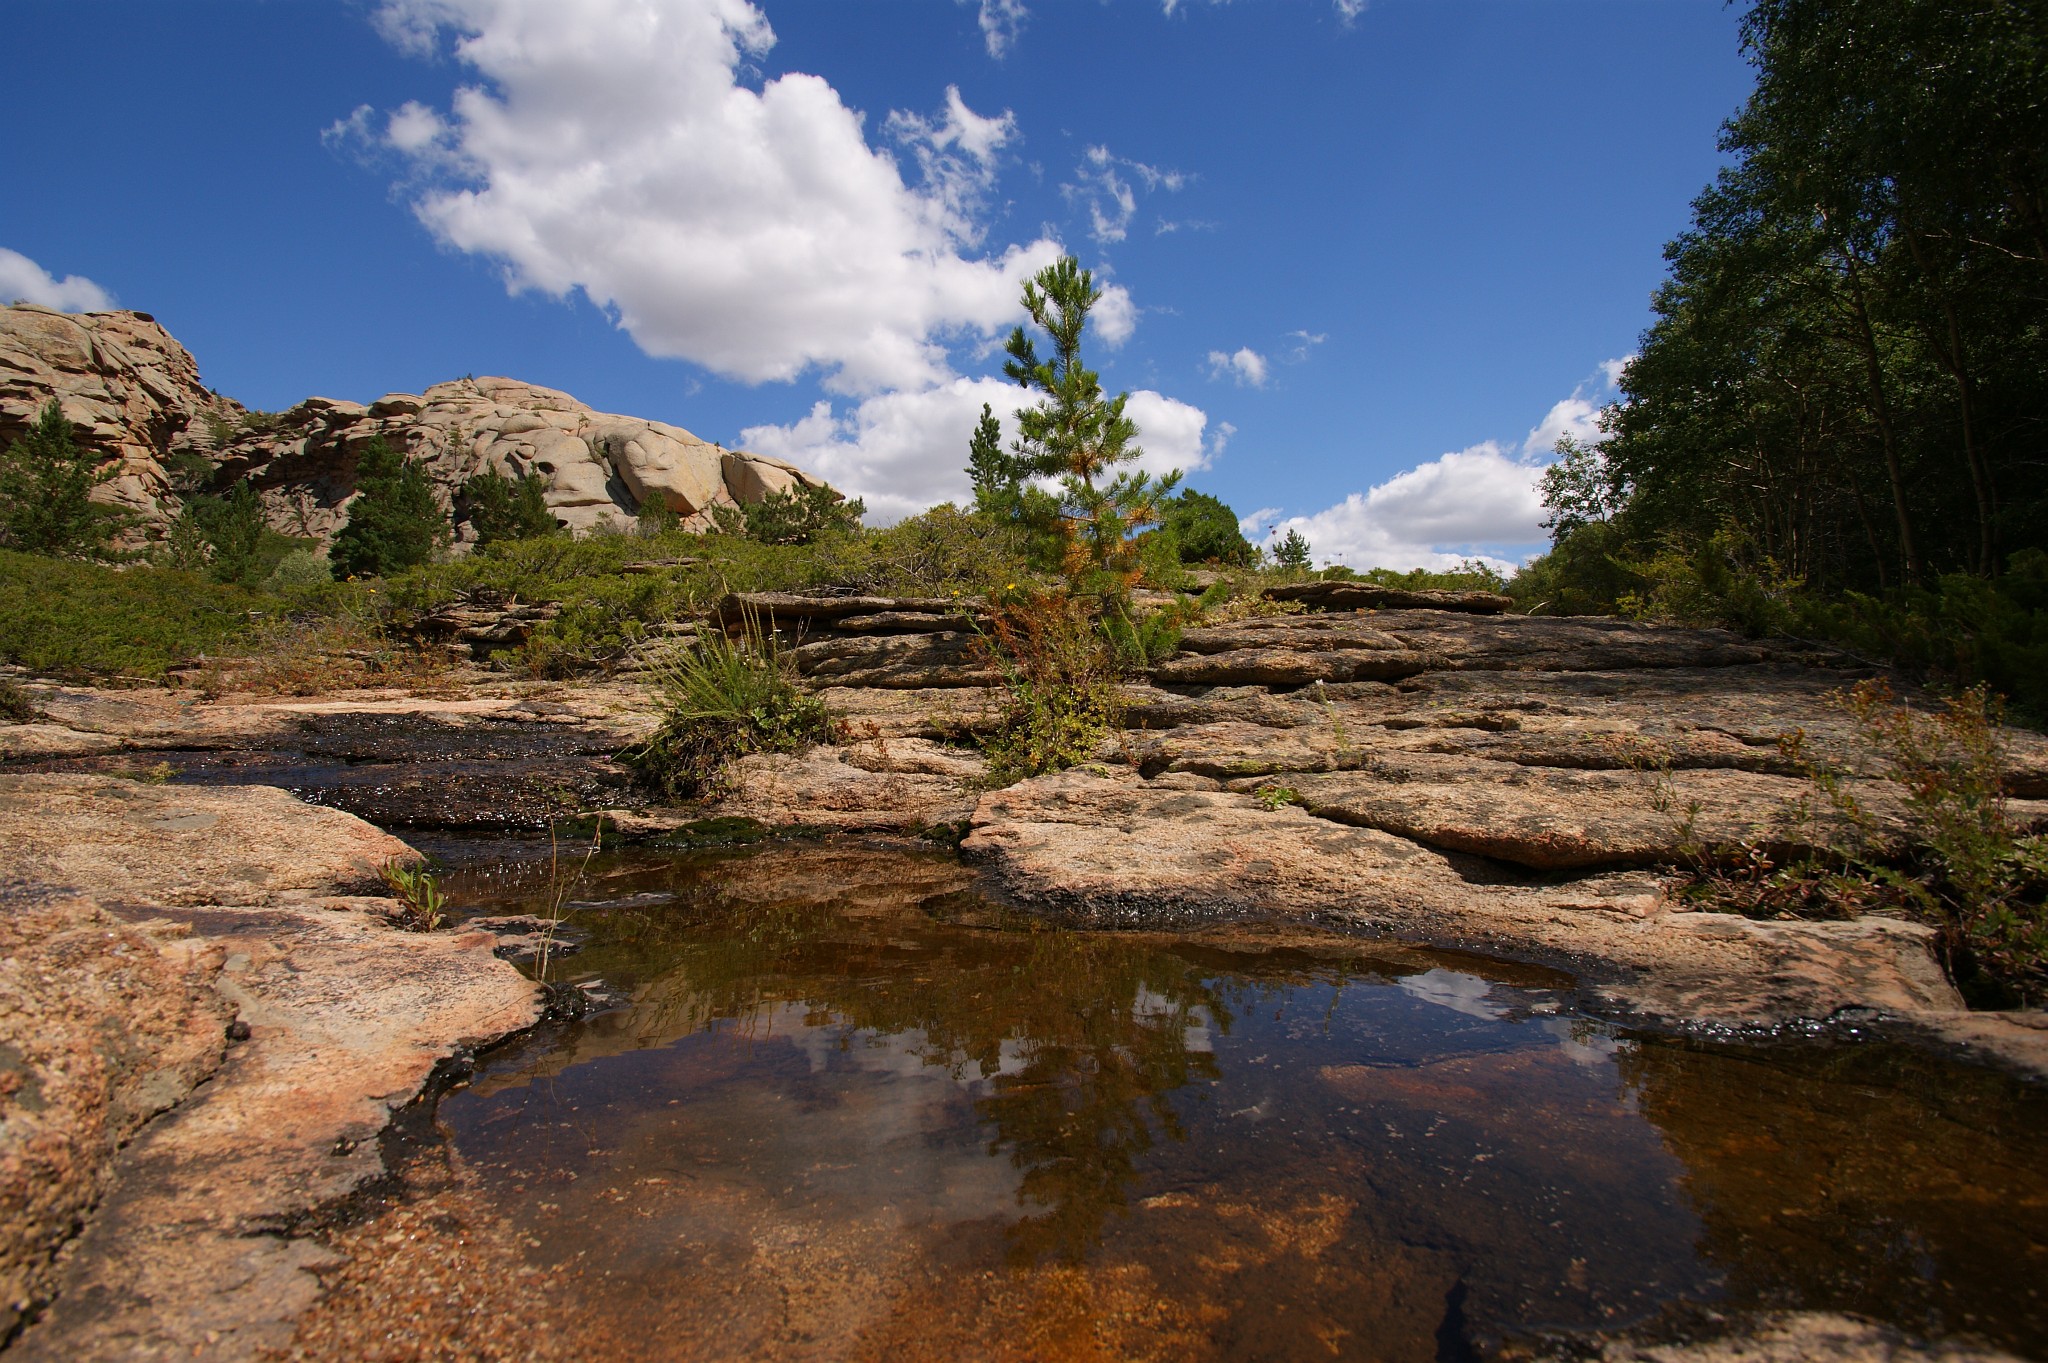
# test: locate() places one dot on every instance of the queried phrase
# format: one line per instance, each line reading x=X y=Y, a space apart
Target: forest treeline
x=1838 y=422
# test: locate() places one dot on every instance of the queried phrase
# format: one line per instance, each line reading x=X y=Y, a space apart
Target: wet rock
x=525 y=937
x=1345 y=596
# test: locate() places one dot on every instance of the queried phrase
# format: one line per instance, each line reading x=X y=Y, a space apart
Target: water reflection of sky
x=1348 y=1143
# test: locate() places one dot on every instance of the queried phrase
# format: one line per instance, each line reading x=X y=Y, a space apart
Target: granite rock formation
x=136 y=396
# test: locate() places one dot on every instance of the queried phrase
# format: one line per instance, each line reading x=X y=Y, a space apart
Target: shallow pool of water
x=844 y=1108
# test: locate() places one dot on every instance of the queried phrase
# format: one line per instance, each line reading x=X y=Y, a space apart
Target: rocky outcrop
x=172 y=908
x=1347 y=596
x=136 y=396
x=599 y=466
x=131 y=390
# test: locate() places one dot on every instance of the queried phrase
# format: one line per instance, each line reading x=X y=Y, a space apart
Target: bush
x=721 y=700
x=46 y=483
x=16 y=705
x=1204 y=530
x=298 y=570
x=800 y=515
x=1061 y=674
x=394 y=522
x=501 y=508
x=946 y=550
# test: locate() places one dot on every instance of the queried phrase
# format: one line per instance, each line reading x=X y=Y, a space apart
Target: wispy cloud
x=1244 y=365
x=1105 y=184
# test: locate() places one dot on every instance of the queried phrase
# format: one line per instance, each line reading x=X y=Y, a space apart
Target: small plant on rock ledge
x=1061 y=675
x=421 y=904
x=721 y=700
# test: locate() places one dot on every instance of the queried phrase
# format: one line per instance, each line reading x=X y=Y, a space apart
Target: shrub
x=394 y=522
x=501 y=508
x=721 y=700
x=1204 y=530
x=799 y=515
x=299 y=569
x=46 y=483
x=1061 y=674
x=16 y=705
x=1957 y=861
x=421 y=905
x=946 y=550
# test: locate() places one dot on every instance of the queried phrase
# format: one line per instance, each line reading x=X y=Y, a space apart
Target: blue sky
x=1366 y=260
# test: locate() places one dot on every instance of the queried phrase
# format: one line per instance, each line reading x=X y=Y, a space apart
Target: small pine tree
x=1292 y=552
x=502 y=509
x=1079 y=436
x=46 y=483
x=234 y=532
x=394 y=523
x=995 y=474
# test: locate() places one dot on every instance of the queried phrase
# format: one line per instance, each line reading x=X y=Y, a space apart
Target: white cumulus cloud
x=903 y=452
x=1245 y=365
x=1578 y=416
x=1459 y=505
x=1479 y=502
x=616 y=147
x=22 y=280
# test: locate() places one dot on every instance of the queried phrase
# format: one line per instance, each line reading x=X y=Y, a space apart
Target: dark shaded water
x=844 y=1110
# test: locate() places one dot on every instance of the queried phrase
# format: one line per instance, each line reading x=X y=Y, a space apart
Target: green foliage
x=1292 y=554
x=395 y=522
x=1061 y=675
x=721 y=700
x=46 y=483
x=501 y=508
x=946 y=550
x=1080 y=437
x=231 y=530
x=421 y=904
x=1957 y=860
x=1204 y=530
x=299 y=570
x=994 y=474
x=1276 y=797
x=85 y=619
x=800 y=515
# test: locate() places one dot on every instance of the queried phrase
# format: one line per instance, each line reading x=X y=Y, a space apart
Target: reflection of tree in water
x=1078 y=1042
x=1870 y=1179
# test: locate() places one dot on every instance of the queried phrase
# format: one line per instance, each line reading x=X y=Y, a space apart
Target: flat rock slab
x=199 y=1248
x=1365 y=595
x=129 y=843
x=1107 y=849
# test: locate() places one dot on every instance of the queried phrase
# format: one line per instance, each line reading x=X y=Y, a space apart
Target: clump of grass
x=1955 y=860
x=721 y=700
x=1061 y=674
x=422 y=906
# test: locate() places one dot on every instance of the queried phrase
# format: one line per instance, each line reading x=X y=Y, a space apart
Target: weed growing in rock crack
x=1953 y=858
x=421 y=904
x=1277 y=797
x=1061 y=675
x=721 y=700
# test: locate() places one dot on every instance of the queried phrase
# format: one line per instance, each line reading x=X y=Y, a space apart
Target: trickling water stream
x=843 y=1109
